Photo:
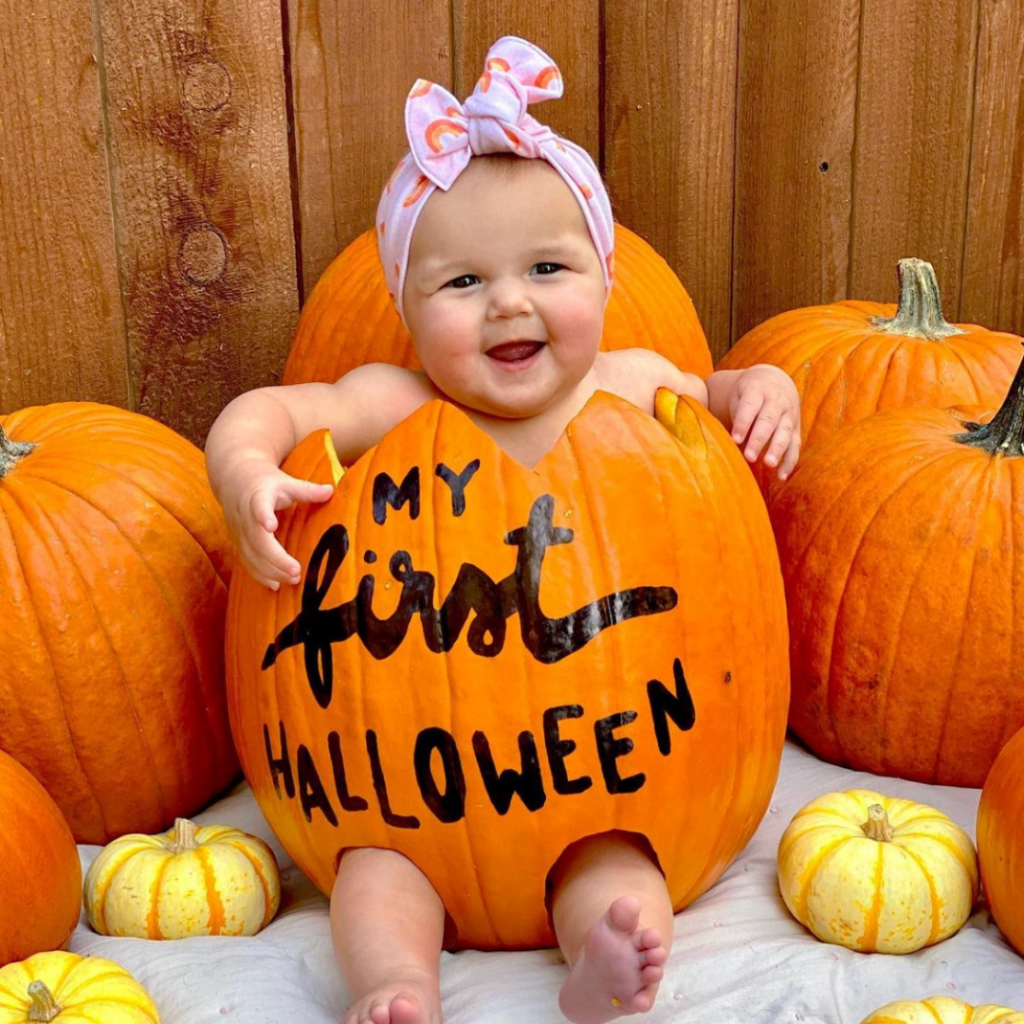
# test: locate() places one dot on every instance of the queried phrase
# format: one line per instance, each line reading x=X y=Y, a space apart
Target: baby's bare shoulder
x=635 y=374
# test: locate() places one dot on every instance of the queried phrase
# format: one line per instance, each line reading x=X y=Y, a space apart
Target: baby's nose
x=509 y=298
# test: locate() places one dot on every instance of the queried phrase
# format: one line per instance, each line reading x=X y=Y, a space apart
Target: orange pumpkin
x=903 y=559
x=41 y=878
x=349 y=318
x=485 y=663
x=851 y=358
x=115 y=560
x=1001 y=840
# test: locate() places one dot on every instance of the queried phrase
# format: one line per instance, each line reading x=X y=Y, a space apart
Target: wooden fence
x=175 y=174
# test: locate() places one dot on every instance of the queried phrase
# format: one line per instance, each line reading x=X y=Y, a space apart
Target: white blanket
x=737 y=957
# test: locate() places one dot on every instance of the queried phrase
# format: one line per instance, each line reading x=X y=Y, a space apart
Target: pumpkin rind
x=41 y=875
x=115 y=562
x=942 y=1010
x=205 y=880
x=349 y=318
x=1001 y=840
x=849 y=886
x=647 y=507
x=903 y=559
x=89 y=989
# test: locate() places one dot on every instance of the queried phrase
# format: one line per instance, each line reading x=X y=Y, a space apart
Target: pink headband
x=444 y=135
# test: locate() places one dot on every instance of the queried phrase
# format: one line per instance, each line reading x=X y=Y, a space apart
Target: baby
x=496 y=238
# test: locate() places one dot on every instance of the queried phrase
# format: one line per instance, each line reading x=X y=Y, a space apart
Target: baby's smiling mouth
x=514 y=351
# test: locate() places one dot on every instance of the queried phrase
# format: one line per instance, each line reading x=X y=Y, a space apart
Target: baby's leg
x=387 y=926
x=613 y=918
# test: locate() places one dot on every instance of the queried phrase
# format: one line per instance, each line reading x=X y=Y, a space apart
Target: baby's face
x=504 y=296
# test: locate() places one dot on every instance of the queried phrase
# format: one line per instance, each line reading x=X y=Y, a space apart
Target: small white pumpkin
x=942 y=1010
x=206 y=880
x=875 y=873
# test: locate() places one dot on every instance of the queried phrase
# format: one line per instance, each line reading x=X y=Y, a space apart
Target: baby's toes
x=641 y=1002
x=655 y=956
x=652 y=974
x=649 y=938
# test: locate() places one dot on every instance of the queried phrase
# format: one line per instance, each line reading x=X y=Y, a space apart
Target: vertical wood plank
x=61 y=325
x=795 y=142
x=203 y=200
x=993 y=288
x=670 y=119
x=352 y=66
x=568 y=30
x=913 y=143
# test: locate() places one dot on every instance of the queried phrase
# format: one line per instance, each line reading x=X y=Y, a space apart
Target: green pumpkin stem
x=877 y=826
x=919 y=312
x=44 y=1007
x=1004 y=434
x=184 y=836
x=11 y=452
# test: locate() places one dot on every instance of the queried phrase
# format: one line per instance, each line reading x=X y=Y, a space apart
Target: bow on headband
x=444 y=135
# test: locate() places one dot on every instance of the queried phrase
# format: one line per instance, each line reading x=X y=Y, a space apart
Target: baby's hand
x=764 y=405
x=252 y=520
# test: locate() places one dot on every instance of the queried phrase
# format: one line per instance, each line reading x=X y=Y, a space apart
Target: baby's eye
x=464 y=281
x=548 y=268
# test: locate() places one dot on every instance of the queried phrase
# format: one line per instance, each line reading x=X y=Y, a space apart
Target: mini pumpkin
x=205 y=880
x=875 y=873
x=72 y=989
x=901 y=549
x=486 y=662
x=942 y=1010
x=349 y=318
x=41 y=879
x=850 y=359
x=1001 y=840
x=115 y=562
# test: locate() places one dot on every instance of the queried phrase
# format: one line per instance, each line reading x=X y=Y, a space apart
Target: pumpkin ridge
x=936 y=928
x=257 y=866
x=153 y=917
x=869 y=937
x=927 y=1004
x=911 y=589
x=213 y=897
x=983 y=500
x=158 y=500
x=811 y=868
x=182 y=754
x=892 y=656
x=44 y=645
x=100 y=905
x=951 y=847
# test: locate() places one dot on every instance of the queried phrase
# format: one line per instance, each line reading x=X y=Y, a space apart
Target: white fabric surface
x=738 y=956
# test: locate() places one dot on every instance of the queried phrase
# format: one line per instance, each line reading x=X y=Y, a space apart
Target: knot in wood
x=203 y=255
x=207 y=85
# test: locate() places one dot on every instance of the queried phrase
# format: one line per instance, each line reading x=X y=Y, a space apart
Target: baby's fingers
x=780 y=442
x=267 y=561
x=790 y=459
x=744 y=416
x=769 y=419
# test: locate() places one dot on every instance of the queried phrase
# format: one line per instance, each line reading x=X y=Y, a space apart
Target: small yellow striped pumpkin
x=942 y=1010
x=875 y=873
x=72 y=989
x=191 y=880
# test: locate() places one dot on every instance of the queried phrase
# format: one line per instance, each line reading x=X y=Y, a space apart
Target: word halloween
x=491 y=603
x=446 y=799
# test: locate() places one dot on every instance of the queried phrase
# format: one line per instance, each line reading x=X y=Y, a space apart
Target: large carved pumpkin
x=40 y=873
x=484 y=662
x=850 y=359
x=115 y=561
x=1001 y=840
x=349 y=318
x=903 y=555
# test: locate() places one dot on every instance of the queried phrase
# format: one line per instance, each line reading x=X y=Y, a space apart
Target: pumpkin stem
x=1004 y=434
x=184 y=836
x=919 y=313
x=877 y=826
x=44 y=1007
x=11 y=451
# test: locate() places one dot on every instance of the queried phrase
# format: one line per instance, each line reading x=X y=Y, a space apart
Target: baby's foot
x=405 y=1002
x=619 y=969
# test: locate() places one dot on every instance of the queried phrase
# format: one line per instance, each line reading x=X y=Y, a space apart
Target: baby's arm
x=255 y=432
x=760 y=405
